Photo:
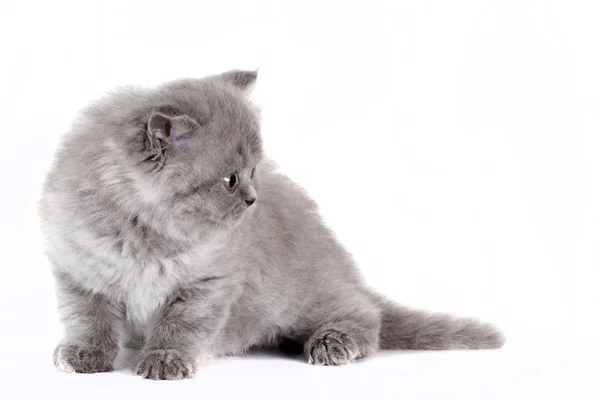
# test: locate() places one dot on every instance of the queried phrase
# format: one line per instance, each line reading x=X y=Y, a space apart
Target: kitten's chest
x=143 y=289
x=144 y=286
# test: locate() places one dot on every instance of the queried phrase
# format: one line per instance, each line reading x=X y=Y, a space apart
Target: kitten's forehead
x=233 y=131
x=207 y=98
x=229 y=138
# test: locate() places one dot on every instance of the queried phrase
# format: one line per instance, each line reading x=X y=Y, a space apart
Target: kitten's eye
x=252 y=173
x=231 y=182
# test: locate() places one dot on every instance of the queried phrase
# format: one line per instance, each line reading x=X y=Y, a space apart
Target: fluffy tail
x=404 y=328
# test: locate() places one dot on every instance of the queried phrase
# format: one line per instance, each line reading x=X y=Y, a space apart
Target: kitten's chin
x=229 y=223
x=233 y=220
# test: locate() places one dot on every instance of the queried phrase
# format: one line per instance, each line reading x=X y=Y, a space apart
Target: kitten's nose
x=249 y=194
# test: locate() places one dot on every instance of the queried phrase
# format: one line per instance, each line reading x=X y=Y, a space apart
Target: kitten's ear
x=174 y=129
x=241 y=79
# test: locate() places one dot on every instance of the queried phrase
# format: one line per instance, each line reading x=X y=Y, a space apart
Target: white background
x=453 y=146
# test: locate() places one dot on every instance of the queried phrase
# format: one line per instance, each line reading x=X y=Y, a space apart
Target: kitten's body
x=148 y=248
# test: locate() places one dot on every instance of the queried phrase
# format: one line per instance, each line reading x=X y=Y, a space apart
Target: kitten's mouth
x=229 y=219
x=237 y=215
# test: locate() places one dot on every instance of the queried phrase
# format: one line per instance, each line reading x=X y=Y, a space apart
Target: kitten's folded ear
x=241 y=79
x=172 y=129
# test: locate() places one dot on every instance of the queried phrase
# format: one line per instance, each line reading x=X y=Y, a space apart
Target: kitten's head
x=200 y=150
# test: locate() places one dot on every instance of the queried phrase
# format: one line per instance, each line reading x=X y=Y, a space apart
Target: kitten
x=169 y=232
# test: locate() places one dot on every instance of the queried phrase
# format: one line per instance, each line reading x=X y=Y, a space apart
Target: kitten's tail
x=405 y=328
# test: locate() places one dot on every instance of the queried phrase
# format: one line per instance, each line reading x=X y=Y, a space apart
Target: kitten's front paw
x=331 y=347
x=72 y=358
x=166 y=364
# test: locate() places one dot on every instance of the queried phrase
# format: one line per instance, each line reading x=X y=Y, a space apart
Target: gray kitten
x=169 y=232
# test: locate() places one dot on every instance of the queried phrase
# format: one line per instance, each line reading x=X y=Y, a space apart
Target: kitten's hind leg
x=342 y=341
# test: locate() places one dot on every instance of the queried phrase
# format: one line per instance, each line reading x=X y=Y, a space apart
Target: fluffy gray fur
x=150 y=249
